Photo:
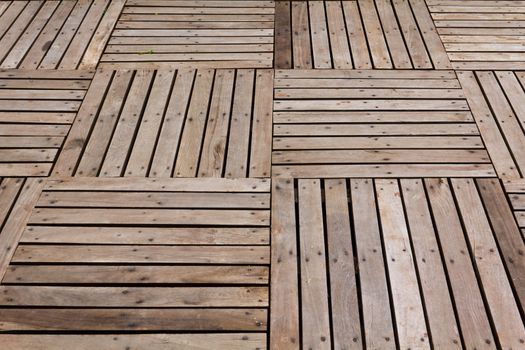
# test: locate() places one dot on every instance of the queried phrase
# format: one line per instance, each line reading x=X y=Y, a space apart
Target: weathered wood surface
x=195 y=34
x=410 y=263
x=481 y=35
x=204 y=267
x=172 y=123
x=37 y=110
x=359 y=34
x=370 y=123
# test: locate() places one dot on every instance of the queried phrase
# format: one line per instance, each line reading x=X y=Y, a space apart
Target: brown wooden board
x=205 y=268
x=173 y=123
x=56 y=34
x=396 y=263
x=197 y=34
x=360 y=34
x=356 y=123
x=481 y=35
x=37 y=110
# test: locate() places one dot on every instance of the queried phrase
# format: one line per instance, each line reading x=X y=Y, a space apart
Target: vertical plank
x=14 y=226
x=408 y=305
x=314 y=293
x=283 y=37
x=170 y=133
x=413 y=40
x=378 y=327
x=438 y=305
x=302 y=56
x=504 y=114
x=497 y=290
x=430 y=36
x=392 y=34
x=374 y=34
x=214 y=143
x=343 y=284
x=144 y=145
x=107 y=118
x=473 y=318
x=494 y=142
x=356 y=35
x=341 y=56
x=319 y=34
x=101 y=36
x=79 y=132
x=506 y=231
x=118 y=149
x=261 y=143
x=284 y=296
x=239 y=139
x=190 y=144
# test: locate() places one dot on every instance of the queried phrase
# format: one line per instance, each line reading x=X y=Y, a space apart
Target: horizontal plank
x=146 y=235
x=378 y=142
x=37 y=117
x=141 y=254
x=293 y=117
x=153 y=199
x=25 y=169
x=384 y=170
x=375 y=129
x=367 y=83
x=191 y=32
x=133 y=296
x=133 y=319
x=218 y=341
x=149 y=216
x=135 y=274
x=380 y=156
x=364 y=73
x=27 y=155
x=62 y=74
x=147 y=50
x=31 y=141
x=379 y=93
x=151 y=184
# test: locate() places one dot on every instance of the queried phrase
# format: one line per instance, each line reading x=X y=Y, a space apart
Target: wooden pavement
x=259 y=174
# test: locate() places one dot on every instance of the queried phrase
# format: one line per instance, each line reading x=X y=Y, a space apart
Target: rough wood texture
x=430 y=270
x=360 y=34
x=360 y=123
x=196 y=34
x=481 y=35
x=173 y=123
x=36 y=113
x=55 y=34
x=204 y=267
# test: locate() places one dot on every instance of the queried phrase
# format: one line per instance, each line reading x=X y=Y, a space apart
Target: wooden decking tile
x=37 y=109
x=192 y=34
x=164 y=255
x=408 y=263
x=55 y=34
x=496 y=100
x=173 y=123
x=355 y=123
x=360 y=34
x=478 y=35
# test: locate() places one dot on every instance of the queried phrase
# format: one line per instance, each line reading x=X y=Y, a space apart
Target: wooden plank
x=142 y=254
x=234 y=341
x=433 y=280
x=302 y=57
x=13 y=227
x=133 y=296
x=407 y=302
x=496 y=146
x=496 y=287
x=506 y=232
x=341 y=54
x=470 y=308
x=343 y=279
x=377 y=319
x=133 y=319
x=319 y=35
x=134 y=274
x=314 y=293
x=284 y=316
x=260 y=155
x=376 y=40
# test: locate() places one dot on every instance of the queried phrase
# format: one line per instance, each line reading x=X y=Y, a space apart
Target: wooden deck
x=258 y=174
